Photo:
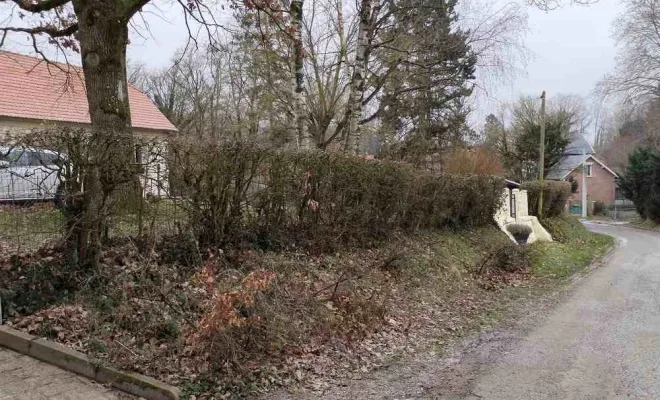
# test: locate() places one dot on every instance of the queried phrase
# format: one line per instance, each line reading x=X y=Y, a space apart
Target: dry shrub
x=555 y=195
x=473 y=161
x=179 y=249
x=231 y=313
x=124 y=180
x=256 y=313
x=519 y=232
x=31 y=282
x=240 y=193
x=511 y=258
x=600 y=208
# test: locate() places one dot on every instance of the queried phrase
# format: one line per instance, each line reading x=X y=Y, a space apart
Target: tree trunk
x=356 y=94
x=301 y=134
x=103 y=36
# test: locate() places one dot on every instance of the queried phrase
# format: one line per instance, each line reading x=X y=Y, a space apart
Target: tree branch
x=371 y=117
x=382 y=80
x=550 y=5
x=134 y=8
x=40 y=6
x=49 y=30
x=45 y=59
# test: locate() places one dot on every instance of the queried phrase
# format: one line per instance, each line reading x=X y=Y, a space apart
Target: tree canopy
x=518 y=141
x=641 y=182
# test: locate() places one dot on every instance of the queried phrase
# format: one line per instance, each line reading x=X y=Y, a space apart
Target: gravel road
x=603 y=342
x=598 y=339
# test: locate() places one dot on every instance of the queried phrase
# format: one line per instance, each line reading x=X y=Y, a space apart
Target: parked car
x=29 y=174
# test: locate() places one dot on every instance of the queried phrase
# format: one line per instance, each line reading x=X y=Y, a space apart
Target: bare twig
x=124 y=346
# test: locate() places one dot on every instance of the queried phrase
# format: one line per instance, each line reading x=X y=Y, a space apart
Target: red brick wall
x=600 y=187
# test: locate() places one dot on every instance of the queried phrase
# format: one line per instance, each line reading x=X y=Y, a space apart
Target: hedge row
x=242 y=192
x=555 y=195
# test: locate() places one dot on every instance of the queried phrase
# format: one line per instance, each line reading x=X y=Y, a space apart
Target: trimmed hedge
x=269 y=198
x=555 y=196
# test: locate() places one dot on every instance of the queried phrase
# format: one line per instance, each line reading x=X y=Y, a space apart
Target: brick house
x=37 y=95
x=601 y=180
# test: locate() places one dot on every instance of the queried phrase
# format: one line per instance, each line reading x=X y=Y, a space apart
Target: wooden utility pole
x=542 y=155
x=584 y=189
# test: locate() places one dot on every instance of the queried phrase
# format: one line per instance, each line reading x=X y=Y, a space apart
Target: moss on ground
x=573 y=250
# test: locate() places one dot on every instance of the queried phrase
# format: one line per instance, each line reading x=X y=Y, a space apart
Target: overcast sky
x=571 y=48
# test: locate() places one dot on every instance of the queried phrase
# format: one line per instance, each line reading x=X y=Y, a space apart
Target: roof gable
x=570 y=163
x=31 y=88
x=578 y=151
x=602 y=164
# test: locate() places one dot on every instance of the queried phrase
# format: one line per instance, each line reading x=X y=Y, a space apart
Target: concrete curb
x=74 y=361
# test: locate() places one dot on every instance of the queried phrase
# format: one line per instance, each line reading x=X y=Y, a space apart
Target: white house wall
x=153 y=144
x=155 y=180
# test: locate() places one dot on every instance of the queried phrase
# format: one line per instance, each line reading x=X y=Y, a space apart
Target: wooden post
x=584 y=184
x=542 y=155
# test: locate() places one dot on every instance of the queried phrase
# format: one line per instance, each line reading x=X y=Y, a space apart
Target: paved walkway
x=25 y=378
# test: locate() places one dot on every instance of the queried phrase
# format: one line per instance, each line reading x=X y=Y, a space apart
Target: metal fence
x=32 y=192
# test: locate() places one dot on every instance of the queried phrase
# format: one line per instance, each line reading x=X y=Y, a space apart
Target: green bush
x=574 y=184
x=512 y=258
x=555 y=195
x=241 y=192
x=641 y=182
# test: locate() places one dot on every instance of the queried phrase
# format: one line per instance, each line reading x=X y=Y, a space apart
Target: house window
x=590 y=169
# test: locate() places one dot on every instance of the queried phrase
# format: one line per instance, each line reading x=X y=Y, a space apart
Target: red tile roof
x=30 y=88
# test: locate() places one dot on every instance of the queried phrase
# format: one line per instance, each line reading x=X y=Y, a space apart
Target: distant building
x=601 y=180
x=35 y=95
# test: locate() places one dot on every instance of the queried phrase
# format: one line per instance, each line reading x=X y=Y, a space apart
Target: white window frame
x=590 y=169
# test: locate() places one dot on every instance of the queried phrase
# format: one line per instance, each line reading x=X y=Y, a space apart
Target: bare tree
x=327 y=47
x=337 y=87
x=178 y=91
x=549 y=5
x=616 y=152
x=636 y=78
x=368 y=13
x=298 y=127
x=496 y=36
x=572 y=109
x=98 y=29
